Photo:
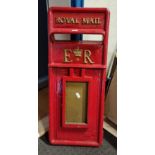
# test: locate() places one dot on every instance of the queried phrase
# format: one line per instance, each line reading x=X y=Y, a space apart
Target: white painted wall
x=59 y=2
x=112 y=6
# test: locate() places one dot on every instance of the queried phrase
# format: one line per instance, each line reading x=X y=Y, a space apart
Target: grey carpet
x=44 y=148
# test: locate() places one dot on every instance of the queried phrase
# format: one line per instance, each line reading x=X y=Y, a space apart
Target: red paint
x=89 y=134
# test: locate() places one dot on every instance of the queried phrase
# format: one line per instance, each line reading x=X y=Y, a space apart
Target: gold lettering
x=73 y=21
x=76 y=21
x=87 y=54
x=98 y=21
x=59 y=20
x=67 y=20
x=91 y=21
x=62 y=20
x=84 y=20
x=67 y=55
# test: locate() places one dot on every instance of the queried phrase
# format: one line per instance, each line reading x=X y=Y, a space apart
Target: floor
x=109 y=147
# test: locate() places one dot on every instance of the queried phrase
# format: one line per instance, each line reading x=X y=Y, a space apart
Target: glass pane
x=76 y=102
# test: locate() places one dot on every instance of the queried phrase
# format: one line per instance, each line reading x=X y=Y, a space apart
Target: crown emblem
x=77 y=52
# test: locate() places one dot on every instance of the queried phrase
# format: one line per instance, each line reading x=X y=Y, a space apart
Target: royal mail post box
x=77 y=75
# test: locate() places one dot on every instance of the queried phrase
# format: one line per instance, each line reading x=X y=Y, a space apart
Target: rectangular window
x=76 y=102
x=86 y=37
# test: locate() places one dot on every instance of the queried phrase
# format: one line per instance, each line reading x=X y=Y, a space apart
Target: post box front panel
x=77 y=75
x=76 y=18
x=81 y=126
x=76 y=53
x=80 y=20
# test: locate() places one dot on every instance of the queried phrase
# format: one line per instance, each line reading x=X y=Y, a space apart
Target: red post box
x=77 y=75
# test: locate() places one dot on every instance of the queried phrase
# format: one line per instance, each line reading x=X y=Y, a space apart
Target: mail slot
x=77 y=75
